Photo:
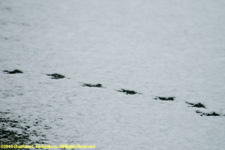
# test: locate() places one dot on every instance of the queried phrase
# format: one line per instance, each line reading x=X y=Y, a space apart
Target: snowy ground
x=154 y=47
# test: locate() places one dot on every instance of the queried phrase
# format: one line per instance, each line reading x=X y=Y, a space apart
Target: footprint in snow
x=164 y=98
x=128 y=92
x=13 y=72
x=56 y=76
x=198 y=105
x=92 y=85
x=207 y=114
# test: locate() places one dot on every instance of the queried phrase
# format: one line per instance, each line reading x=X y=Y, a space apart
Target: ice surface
x=159 y=48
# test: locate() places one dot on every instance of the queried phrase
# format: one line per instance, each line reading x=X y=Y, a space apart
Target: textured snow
x=154 y=47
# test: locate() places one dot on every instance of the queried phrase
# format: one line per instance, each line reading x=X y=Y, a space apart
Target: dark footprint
x=199 y=105
x=56 y=76
x=165 y=98
x=128 y=92
x=207 y=114
x=93 y=85
x=13 y=72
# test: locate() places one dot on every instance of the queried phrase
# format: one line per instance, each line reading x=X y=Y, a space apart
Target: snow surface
x=154 y=47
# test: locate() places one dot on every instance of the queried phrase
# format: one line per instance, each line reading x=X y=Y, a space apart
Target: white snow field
x=165 y=48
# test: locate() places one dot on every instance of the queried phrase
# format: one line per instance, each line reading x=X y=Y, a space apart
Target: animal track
x=165 y=98
x=128 y=92
x=207 y=114
x=199 y=105
x=56 y=76
x=13 y=72
x=93 y=85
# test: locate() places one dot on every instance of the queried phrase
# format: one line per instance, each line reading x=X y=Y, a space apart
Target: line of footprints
x=129 y=92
